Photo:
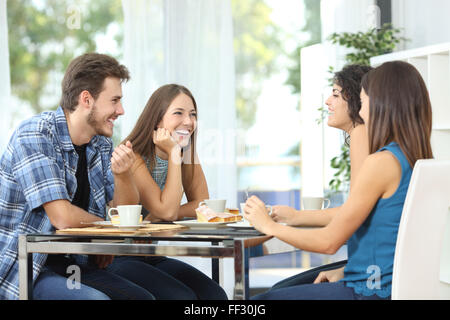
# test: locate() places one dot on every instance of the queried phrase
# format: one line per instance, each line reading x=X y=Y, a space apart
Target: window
x=268 y=36
x=44 y=36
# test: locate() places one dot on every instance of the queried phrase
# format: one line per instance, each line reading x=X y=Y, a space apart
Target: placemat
x=108 y=231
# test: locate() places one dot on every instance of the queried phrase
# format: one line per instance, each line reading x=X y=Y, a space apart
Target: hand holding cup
x=258 y=214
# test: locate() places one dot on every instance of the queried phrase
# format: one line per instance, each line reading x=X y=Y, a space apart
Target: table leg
x=239 y=270
x=215 y=270
x=25 y=270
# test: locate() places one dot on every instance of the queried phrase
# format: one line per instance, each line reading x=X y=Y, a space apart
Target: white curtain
x=189 y=42
x=5 y=87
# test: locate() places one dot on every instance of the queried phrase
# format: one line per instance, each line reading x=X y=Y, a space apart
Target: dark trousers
x=167 y=279
x=307 y=277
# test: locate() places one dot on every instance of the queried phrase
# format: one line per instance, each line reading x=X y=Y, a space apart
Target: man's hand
x=122 y=158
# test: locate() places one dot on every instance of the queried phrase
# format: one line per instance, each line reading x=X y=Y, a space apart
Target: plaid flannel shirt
x=39 y=166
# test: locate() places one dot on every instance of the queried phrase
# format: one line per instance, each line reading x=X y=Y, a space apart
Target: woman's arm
x=359 y=150
x=306 y=218
x=160 y=204
x=195 y=188
x=379 y=177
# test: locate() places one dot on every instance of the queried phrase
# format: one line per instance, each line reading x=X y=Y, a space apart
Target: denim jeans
x=307 y=277
x=167 y=279
x=96 y=284
x=320 y=291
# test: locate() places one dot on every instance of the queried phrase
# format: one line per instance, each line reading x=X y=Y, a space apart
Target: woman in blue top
x=166 y=166
x=397 y=112
x=343 y=104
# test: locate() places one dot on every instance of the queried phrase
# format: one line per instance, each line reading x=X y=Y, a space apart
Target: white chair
x=422 y=254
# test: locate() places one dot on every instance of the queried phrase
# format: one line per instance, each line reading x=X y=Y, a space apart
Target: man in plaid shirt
x=59 y=169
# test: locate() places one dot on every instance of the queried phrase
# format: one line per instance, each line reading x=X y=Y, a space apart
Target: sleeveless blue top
x=371 y=248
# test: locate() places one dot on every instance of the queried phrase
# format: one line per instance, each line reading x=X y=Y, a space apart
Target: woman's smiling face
x=338 y=116
x=180 y=119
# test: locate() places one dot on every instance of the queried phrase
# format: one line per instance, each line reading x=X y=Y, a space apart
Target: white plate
x=194 y=224
x=240 y=224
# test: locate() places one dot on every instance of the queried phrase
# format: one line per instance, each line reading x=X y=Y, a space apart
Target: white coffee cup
x=129 y=214
x=315 y=203
x=242 y=204
x=215 y=205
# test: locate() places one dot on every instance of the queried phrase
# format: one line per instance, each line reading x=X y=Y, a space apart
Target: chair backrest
x=422 y=254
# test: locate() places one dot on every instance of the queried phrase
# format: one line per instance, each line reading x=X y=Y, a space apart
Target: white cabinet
x=433 y=63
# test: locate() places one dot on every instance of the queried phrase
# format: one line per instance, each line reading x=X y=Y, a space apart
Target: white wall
x=423 y=22
x=313 y=78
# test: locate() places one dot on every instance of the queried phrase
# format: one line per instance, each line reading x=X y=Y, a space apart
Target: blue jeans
x=307 y=277
x=320 y=291
x=96 y=284
x=167 y=279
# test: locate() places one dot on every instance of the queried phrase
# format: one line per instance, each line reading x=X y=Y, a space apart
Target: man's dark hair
x=88 y=72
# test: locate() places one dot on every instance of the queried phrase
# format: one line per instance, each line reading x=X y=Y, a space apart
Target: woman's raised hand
x=163 y=139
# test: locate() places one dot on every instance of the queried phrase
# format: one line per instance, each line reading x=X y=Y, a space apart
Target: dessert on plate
x=206 y=214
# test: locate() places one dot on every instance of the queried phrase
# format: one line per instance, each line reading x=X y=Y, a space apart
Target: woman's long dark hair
x=399 y=110
x=141 y=136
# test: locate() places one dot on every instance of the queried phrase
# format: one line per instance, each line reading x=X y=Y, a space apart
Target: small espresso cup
x=315 y=203
x=129 y=214
x=215 y=205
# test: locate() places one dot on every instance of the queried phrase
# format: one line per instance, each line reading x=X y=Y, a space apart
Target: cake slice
x=232 y=210
x=206 y=214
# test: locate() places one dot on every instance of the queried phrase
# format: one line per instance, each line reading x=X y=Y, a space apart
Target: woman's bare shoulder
x=383 y=161
x=138 y=163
